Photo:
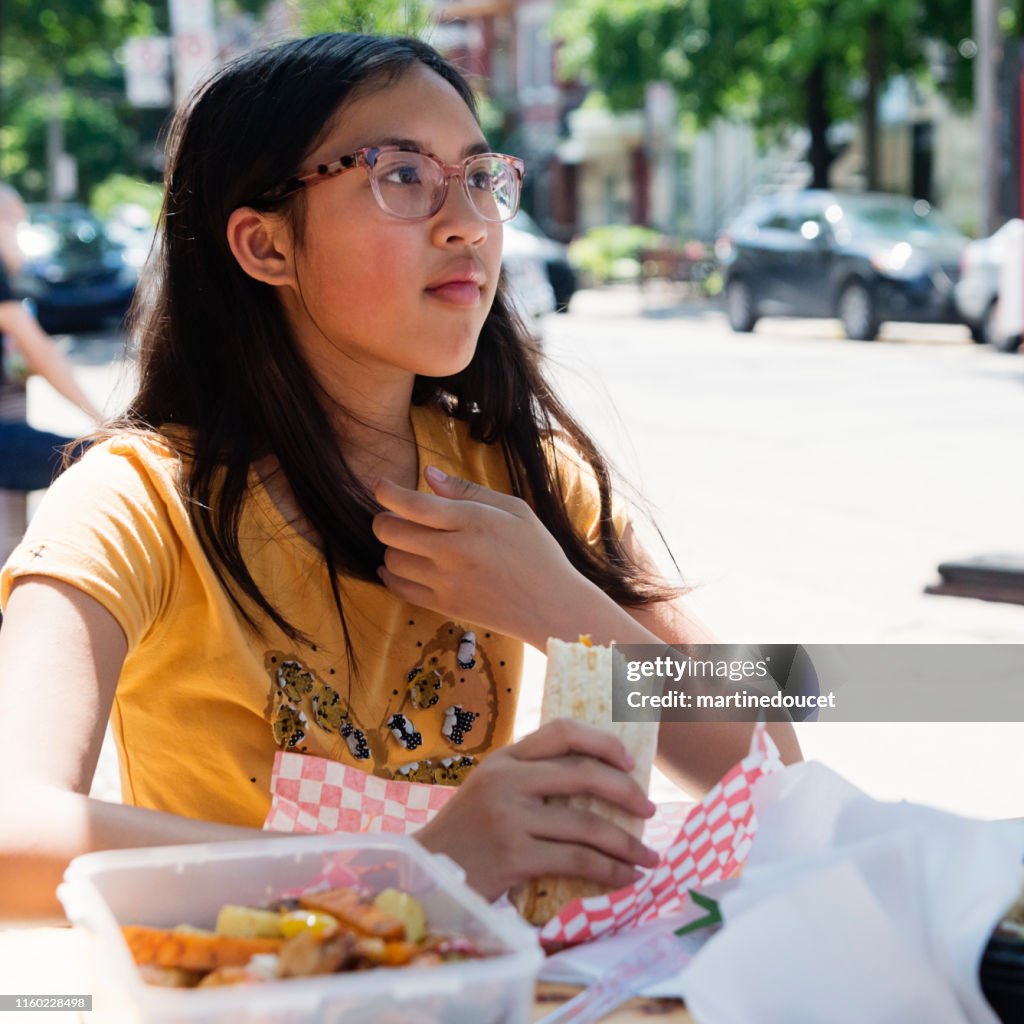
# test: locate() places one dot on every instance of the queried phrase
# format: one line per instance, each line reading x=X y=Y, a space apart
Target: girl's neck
x=374 y=430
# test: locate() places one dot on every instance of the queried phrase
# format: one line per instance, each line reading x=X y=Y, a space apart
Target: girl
x=341 y=501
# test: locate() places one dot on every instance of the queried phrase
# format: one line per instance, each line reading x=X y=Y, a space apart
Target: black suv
x=864 y=257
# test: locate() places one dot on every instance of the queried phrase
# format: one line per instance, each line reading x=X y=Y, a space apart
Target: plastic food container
x=166 y=886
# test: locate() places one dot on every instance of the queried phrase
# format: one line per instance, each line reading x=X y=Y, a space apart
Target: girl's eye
x=402 y=174
x=484 y=180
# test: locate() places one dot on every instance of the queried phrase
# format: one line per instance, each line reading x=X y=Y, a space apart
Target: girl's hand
x=500 y=830
x=477 y=556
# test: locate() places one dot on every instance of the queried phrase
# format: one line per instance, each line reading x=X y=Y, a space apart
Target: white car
x=528 y=284
x=993 y=313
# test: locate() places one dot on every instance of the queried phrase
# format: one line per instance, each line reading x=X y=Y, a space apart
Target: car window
x=780 y=221
x=68 y=230
x=898 y=220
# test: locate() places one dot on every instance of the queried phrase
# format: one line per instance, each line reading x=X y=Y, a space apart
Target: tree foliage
x=59 y=61
x=760 y=60
x=379 y=17
x=62 y=59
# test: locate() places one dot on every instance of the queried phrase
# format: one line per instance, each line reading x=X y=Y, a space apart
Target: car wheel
x=857 y=312
x=739 y=306
x=989 y=334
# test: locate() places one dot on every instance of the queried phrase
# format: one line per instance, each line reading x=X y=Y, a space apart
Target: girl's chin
x=454 y=362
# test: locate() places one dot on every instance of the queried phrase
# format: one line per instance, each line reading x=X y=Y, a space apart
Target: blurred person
x=29 y=458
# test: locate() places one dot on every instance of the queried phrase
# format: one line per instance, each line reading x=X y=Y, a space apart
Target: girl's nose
x=458 y=220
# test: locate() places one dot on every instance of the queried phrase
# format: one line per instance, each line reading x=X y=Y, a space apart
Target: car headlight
x=899 y=260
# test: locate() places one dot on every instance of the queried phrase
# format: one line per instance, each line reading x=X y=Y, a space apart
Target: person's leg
x=30 y=459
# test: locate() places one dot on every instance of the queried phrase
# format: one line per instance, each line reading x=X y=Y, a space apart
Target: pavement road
x=807 y=486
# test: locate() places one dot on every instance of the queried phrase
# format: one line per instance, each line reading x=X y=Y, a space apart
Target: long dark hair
x=217 y=356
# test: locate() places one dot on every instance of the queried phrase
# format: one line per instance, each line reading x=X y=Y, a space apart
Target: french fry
x=167 y=948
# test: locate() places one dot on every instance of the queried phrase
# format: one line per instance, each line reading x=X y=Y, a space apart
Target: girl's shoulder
x=137 y=466
x=113 y=525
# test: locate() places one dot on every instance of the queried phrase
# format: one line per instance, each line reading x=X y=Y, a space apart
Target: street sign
x=191 y=16
x=195 y=55
x=147 y=71
x=195 y=43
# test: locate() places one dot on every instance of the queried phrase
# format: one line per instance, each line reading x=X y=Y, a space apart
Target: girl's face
x=367 y=281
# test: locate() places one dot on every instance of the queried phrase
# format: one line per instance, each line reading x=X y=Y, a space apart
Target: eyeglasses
x=413 y=185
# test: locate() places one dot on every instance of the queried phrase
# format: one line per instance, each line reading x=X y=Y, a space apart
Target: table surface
x=62 y=960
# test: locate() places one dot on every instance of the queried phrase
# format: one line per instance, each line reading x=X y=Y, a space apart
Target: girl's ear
x=262 y=245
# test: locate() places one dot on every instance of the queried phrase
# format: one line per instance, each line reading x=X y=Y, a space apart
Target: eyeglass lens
x=410 y=185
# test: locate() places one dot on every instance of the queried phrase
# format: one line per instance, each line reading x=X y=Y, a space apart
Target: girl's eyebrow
x=414 y=144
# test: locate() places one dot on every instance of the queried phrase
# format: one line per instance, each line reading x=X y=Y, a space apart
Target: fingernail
x=637 y=875
x=435 y=474
x=629 y=761
x=650 y=807
x=651 y=857
x=380 y=571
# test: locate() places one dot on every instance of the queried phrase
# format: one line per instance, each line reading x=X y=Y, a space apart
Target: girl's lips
x=457 y=293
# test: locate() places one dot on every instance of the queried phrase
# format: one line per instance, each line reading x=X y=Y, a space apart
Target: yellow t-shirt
x=204 y=702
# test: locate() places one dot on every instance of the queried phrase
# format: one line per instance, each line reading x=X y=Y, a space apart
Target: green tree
x=60 y=74
x=774 y=63
x=391 y=17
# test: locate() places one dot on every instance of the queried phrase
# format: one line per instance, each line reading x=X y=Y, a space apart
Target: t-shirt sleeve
x=104 y=527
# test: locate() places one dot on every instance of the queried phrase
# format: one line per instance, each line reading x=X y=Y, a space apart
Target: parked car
x=528 y=285
x=977 y=292
x=863 y=257
x=75 y=276
x=561 y=273
x=133 y=227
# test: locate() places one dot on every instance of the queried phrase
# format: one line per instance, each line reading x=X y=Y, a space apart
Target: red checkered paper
x=711 y=844
x=700 y=843
x=313 y=794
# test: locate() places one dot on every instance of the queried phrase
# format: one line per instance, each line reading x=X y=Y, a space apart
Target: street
x=808 y=487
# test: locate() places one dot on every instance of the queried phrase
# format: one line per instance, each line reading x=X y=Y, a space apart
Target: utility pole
x=989 y=41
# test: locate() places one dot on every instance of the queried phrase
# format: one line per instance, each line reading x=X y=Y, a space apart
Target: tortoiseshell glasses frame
x=418 y=182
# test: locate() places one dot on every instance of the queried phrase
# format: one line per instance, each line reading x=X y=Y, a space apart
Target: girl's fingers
x=442 y=511
x=406 y=590
x=414 y=568
x=425 y=509
x=582 y=828
x=577 y=860
x=396 y=532
x=577 y=775
x=454 y=488
x=565 y=736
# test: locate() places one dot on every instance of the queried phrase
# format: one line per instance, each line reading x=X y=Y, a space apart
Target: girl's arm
x=695 y=755
x=60 y=658
x=484 y=557
x=42 y=356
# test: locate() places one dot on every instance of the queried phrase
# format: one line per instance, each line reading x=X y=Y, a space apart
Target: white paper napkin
x=850 y=909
